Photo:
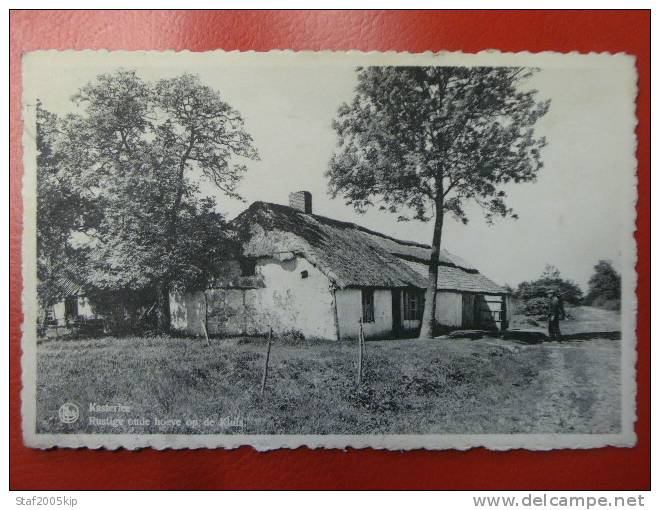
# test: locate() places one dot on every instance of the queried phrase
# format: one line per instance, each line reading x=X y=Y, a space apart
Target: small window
x=367 y=305
x=247 y=266
x=413 y=305
x=304 y=274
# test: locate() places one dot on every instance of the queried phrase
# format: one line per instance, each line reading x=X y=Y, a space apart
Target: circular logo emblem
x=69 y=412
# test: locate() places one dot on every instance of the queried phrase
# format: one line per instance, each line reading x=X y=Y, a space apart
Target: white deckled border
x=37 y=65
x=400 y=442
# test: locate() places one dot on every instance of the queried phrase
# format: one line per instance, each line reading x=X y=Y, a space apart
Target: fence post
x=364 y=344
x=206 y=316
x=263 y=380
x=364 y=347
x=206 y=334
x=359 y=368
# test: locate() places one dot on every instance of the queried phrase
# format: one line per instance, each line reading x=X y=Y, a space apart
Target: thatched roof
x=350 y=255
x=456 y=279
x=70 y=285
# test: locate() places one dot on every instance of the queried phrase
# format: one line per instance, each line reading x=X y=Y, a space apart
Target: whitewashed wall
x=222 y=311
x=292 y=303
x=85 y=307
x=289 y=303
x=84 y=310
x=179 y=311
x=349 y=311
x=58 y=311
x=449 y=308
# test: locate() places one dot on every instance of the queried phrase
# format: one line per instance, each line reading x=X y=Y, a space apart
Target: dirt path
x=581 y=387
x=570 y=387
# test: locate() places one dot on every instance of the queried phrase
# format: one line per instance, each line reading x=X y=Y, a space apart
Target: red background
x=414 y=31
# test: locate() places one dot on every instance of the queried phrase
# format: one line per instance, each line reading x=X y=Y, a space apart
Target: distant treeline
x=604 y=290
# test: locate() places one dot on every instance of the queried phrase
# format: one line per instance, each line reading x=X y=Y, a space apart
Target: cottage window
x=367 y=305
x=413 y=305
x=247 y=266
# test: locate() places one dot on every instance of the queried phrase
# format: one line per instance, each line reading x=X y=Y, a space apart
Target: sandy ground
x=409 y=386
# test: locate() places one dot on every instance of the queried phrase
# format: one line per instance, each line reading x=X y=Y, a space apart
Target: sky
x=570 y=217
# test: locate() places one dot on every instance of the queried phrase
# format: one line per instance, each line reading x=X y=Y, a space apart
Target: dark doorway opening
x=396 y=312
x=71 y=308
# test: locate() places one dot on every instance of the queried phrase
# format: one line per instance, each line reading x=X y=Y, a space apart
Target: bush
x=535 y=306
x=550 y=281
x=291 y=335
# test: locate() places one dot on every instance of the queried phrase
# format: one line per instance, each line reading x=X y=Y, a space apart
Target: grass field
x=579 y=320
x=409 y=386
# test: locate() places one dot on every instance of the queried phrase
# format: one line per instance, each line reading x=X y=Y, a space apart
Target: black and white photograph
x=331 y=249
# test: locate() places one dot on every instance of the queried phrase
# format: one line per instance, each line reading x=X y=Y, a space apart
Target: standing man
x=555 y=314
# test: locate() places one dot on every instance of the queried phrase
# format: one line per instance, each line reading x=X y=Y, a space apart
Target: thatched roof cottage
x=316 y=277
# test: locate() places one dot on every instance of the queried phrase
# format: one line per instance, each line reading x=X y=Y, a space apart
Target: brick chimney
x=301 y=200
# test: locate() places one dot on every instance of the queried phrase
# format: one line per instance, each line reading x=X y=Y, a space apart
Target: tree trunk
x=428 y=319
x=171 y=233
x=163 y=307
x=163 y=289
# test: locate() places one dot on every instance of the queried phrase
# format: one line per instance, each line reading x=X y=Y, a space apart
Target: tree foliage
x=534 y=294
x=136 y=151
x=604 y=286
x=421 y=141
x=61 y=209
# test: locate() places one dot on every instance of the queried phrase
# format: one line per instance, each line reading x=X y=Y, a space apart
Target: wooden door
x=396 y=311
x=468 y=316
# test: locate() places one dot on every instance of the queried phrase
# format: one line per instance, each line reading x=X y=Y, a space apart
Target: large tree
x=61 y=209
x=137 y=150
x=604 y=284
x=421 y=141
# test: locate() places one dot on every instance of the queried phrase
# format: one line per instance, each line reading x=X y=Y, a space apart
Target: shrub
x=550 y=281
x=535 y=306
